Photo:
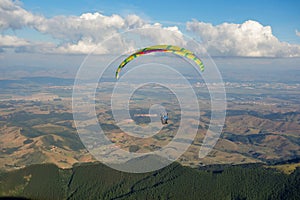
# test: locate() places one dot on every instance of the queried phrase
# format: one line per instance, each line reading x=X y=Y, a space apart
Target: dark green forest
x=97 y=181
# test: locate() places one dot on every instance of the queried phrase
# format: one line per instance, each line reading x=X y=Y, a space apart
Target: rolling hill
x=97 y=181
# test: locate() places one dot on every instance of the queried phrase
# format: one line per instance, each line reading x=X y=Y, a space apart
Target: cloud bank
x=247 y=39
x=81 y=34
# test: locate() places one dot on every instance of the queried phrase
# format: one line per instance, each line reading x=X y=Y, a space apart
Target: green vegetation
x=134 y=148
x=28 y=141
x=35 y=181
x=247 y=139
x=23 y=118
x=97 y=181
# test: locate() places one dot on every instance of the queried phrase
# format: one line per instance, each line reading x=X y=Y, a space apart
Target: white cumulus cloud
x=7 y=41
x=247 y=39
x=94 y=26
x=13 y=16
x=83 y=33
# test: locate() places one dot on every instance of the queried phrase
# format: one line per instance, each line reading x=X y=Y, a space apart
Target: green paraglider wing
x=162 y=48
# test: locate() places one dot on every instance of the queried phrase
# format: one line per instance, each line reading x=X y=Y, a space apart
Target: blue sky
x=282 y=16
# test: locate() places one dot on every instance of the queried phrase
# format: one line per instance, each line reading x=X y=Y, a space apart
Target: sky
x=282 y=16
x=258 y=28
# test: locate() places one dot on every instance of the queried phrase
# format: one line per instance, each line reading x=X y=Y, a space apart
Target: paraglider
x=164 y=118
x=162 y=48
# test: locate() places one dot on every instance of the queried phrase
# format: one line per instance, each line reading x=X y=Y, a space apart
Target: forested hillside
x=97 y=181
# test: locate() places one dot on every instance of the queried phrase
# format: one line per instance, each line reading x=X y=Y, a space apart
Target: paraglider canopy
x=162 y=48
